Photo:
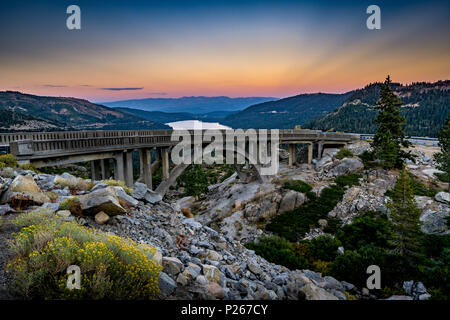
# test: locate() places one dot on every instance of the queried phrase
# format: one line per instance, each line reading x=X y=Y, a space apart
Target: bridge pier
x=96 y=170
x=146 y=169
x=310 y=152
x=119 y=168
x=165 y=163
x=105 y=168
x=319 y=149
x=292 y=154
x=128 y=166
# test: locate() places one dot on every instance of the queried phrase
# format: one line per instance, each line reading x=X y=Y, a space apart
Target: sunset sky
x=139 y=49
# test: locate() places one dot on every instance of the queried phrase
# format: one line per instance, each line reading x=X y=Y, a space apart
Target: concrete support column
x=129 y=168
x=119 y=167
x=141 y=162
x=165 y=163
x=106 y=172
x=96 y=169
x=146 y=157
x=292 y=154
x=319 y=149
x=310 y=152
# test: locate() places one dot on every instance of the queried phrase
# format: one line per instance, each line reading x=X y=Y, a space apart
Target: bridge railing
x=27 y=144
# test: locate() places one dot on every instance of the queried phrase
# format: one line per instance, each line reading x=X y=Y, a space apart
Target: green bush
x=294 y=224
x=27 y=166
x=352 y=265
x=369 y=160
x=351 y=179
x=118 y=183
x=111 y=267
x=8 y=160
x=298 y=185
x=73 y=205
x=195 y=180
x=368 y=228
x=343 y=153
x=279 y=251
x=324 y=248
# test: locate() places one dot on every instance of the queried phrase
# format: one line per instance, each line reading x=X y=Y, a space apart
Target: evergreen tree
x=443 y=157
x=390 y=136
x=406 y=233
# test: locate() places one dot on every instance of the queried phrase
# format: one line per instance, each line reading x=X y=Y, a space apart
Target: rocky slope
x=204 y=257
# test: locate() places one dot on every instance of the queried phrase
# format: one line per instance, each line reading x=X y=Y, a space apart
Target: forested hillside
x=425 y=107
x=285 y=113
x=24 y=112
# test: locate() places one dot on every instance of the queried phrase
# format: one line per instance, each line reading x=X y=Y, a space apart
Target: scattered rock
x=166 y=284
x=313 y=292
x=5 y=209
x=215 y=290
x=346 y=165
x=172 y=265
x=23 y=191
x=101 y=200
x=443 y=197
x=211 y=273
x=152 y=197
x=101 y=218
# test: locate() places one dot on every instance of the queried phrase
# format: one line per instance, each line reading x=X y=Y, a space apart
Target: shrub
x=8 y=160
x=118 y=183
x=111 y=267
x=294 y=224
x=369 y=160
x=324 y=248
x=28 y=166
x=321 y=266
x=344 y=153
x=195 y=180
x=333 y=225
x=352 y=265
x=52 y=196
x=368 y=228
x=298 y=185
x=74 y=185
x=279 y=251
x=351 y=179
x=73 y=205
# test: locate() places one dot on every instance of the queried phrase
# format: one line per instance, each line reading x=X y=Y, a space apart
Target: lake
x=195 y=125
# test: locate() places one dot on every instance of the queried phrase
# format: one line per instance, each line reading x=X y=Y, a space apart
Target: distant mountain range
x=425 y=106
x=165 y=117
x=25 y=112
x=195 y=105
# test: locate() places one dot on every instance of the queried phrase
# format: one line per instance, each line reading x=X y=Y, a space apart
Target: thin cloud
x=54 y=86
x=123 y=89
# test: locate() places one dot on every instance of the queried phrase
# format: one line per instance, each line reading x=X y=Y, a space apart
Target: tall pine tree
x=405 y=215
x=390 y=136
x=443 y=157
